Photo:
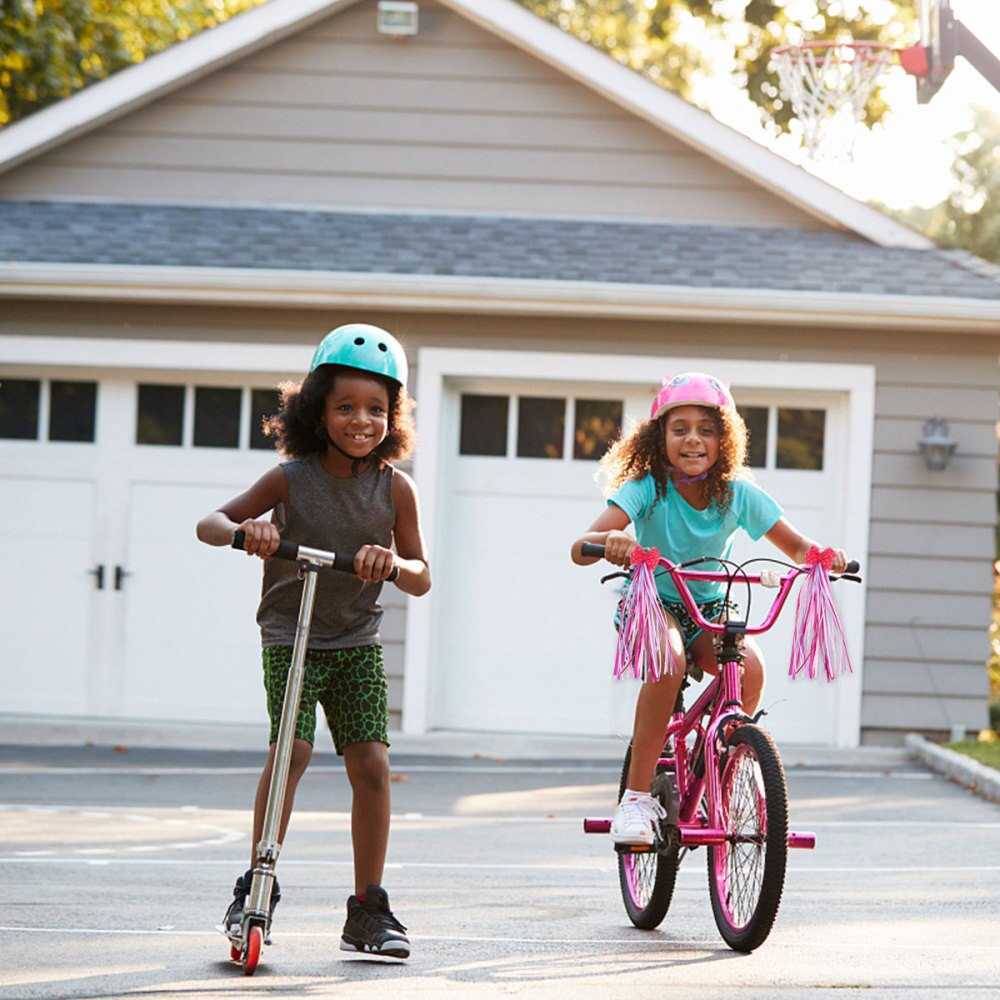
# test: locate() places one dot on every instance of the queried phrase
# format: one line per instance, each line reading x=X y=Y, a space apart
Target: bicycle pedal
x=635 y=848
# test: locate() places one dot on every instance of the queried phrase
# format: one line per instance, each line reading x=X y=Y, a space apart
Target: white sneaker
x=635 y=818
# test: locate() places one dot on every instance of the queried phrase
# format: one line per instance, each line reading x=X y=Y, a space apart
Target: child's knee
x=367 y=766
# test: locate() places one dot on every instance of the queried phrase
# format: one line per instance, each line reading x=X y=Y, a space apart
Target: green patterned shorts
x=348 y=683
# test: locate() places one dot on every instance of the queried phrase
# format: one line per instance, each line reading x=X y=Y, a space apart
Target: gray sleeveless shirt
x=340 y=515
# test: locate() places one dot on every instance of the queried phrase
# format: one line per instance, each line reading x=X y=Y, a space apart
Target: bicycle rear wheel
x=646 y=877
x=746 y=875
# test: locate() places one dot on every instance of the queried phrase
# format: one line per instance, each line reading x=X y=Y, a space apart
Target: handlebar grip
x=290 y=550
x=345 y=564
x=853 y=566
x=590 y=549
x=286 y=549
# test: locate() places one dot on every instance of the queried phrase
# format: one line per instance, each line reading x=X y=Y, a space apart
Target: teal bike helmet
x=367 y=348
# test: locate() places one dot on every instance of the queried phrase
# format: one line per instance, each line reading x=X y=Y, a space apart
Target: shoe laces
x=644 y=810
x=381 y=917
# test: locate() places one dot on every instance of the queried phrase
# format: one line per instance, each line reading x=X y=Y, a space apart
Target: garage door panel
x=46 y=594
x=191 y=645
x=546 y=671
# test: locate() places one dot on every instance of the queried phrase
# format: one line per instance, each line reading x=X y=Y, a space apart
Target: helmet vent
x=382 y=347
x=359 y=341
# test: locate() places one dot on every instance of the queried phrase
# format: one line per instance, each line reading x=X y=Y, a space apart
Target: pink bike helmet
x=691 y=389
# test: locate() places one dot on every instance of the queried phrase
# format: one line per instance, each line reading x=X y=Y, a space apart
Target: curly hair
x=297 y=426
x=644 y=451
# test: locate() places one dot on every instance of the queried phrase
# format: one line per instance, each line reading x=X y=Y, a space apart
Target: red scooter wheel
x=255 y=939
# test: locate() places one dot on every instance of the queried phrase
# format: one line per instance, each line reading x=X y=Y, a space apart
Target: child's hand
x=262 y=538
x=839 y=561
x=618 y=547
x=373 y=563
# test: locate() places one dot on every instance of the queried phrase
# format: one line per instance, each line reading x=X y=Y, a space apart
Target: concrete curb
x=978 y=777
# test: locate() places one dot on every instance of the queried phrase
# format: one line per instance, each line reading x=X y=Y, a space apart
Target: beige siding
x=932 y=534
x=453 y=119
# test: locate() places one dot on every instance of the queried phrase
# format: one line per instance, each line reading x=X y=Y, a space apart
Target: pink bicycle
x=719 y=780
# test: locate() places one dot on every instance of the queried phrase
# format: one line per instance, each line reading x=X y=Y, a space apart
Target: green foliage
x=970 y=216
x=51 y=48
x=664 y=39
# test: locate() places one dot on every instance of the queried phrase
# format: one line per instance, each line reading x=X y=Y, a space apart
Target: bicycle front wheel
x=746 y=874
x=646 y=877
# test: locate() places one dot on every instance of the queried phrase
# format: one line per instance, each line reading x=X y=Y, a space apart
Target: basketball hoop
x=829 y=84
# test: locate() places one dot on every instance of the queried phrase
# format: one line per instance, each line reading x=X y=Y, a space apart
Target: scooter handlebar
x=290 y=550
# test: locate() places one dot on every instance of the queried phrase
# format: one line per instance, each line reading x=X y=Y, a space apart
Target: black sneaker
x=233 y=920
x=371 y=927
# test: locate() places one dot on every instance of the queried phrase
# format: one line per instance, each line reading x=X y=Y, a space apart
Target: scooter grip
x=345 y=563
x=853 y=566
x=286 y=549
x=590 y=549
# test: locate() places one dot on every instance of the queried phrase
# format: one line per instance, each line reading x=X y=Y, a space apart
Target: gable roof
x=263 y=26
x=488 y=264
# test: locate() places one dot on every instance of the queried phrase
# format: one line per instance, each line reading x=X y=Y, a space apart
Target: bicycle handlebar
x=597 y=551
x=293 y=552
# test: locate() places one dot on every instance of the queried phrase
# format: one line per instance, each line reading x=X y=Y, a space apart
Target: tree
x=51 y=48
x=970 y=216
x=664 y=39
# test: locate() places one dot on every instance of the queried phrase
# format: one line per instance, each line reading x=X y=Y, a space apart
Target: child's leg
x=367 y=767
x=702 y=654
x=753 y=677
x=301 y=755
x=652 y=713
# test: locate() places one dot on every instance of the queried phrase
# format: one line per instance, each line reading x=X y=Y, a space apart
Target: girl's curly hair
x=644 y=451
x=297 y=426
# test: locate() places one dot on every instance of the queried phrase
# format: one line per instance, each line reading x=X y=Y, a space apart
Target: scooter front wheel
x=254 y=943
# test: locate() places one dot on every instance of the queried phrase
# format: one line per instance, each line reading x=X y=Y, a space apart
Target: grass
x=985 y=753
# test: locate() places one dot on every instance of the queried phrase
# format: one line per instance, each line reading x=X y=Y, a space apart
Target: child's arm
x=796 y=545
x=608 y=530
x=375 y=563
x=241 y=513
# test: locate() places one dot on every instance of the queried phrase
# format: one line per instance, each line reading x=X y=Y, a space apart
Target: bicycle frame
x=722 y=702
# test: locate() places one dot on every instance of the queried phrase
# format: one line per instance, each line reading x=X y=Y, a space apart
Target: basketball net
x=829 y=84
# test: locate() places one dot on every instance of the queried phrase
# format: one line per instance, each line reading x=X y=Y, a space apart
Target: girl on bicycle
x=339 y=429
x=682 y=479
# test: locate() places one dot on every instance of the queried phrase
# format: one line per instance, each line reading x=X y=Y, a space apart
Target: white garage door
x=522 y=640
x=108 y=604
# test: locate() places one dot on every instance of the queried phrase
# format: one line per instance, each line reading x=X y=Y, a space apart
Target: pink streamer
x=643 y=647
x=818 y=636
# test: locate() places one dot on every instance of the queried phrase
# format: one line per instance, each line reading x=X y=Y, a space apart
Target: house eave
x=491 y=296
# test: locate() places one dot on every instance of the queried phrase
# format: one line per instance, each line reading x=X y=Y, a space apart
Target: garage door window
x=223 y=416
x=19 y=399
x=539 y=426
x=598 y=422
x=483 y=425
x=56 y=411
x=216 y=417
x=798 y=436
x=263 y=404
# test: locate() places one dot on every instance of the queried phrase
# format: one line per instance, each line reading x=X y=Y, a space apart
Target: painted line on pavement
x=712 y=944
x=799 y=868
x=791 y=771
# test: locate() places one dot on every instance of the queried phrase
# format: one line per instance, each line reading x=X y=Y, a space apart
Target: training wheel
x=255 y=939
x=234 y=953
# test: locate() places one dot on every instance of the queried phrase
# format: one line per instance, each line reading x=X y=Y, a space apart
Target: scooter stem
x=268 y=848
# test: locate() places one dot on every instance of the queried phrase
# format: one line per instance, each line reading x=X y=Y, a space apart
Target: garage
x=518 y=639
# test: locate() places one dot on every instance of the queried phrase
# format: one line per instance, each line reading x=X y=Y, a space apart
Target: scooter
x=246 y=947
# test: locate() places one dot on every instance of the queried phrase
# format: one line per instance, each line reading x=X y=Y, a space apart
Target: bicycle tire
x=646 y=878
x=746 y=875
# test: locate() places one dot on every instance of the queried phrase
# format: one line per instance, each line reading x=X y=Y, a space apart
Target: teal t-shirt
x=682 y=533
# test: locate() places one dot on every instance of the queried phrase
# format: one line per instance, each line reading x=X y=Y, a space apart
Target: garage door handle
x=98 y=574
x=120 y=575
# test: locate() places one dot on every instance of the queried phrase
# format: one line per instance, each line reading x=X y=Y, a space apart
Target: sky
x=906 y=161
